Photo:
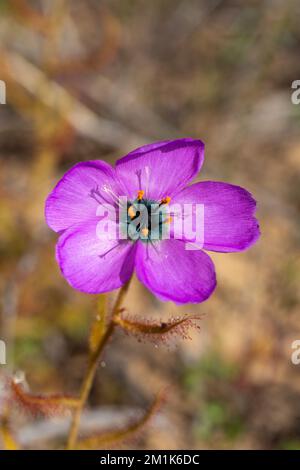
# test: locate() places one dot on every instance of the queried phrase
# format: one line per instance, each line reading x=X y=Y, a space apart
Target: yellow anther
x=168 y=220
x=166 y=200
x=140 y=195
x=145 y=232
x=131 y=212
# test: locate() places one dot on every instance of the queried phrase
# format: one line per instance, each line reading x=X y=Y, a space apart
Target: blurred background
x=92 y=80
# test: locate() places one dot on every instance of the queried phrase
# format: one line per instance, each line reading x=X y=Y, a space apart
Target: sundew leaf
x=50 y=405
x=159 y=331
x=117 y=436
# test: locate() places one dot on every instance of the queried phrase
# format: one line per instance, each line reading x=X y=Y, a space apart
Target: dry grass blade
x=8 y=440
x=52 y=94
x=114 y=437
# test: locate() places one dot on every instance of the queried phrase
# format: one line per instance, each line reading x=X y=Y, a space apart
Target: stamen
x=131 y=212
x=165 y=200
x=145 y=231
x=140 y=195
x=168 y=220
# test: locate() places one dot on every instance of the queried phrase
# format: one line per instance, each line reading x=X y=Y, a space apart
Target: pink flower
x=156 y=173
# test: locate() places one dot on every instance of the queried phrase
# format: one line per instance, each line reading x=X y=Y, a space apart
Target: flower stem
x=92 y=367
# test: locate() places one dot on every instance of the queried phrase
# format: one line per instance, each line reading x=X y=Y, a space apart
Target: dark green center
x=145 y=220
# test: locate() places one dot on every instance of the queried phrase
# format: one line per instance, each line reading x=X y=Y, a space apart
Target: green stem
x=92 y=367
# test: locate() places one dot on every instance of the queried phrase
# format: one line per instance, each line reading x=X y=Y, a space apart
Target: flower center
x=147 y=220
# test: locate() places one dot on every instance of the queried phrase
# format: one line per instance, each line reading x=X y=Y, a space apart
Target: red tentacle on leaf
x=159 y=331
x=50 y=405
x=114 y=437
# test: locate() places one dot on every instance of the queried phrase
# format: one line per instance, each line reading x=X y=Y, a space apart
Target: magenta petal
x=161 y=169
x=173 y=273
x=92 y=265
x=229 y=222
x=74 y=198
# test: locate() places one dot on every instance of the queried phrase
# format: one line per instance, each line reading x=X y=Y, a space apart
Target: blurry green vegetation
x=290 y=445
x=210 y=366
x=214 y=416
